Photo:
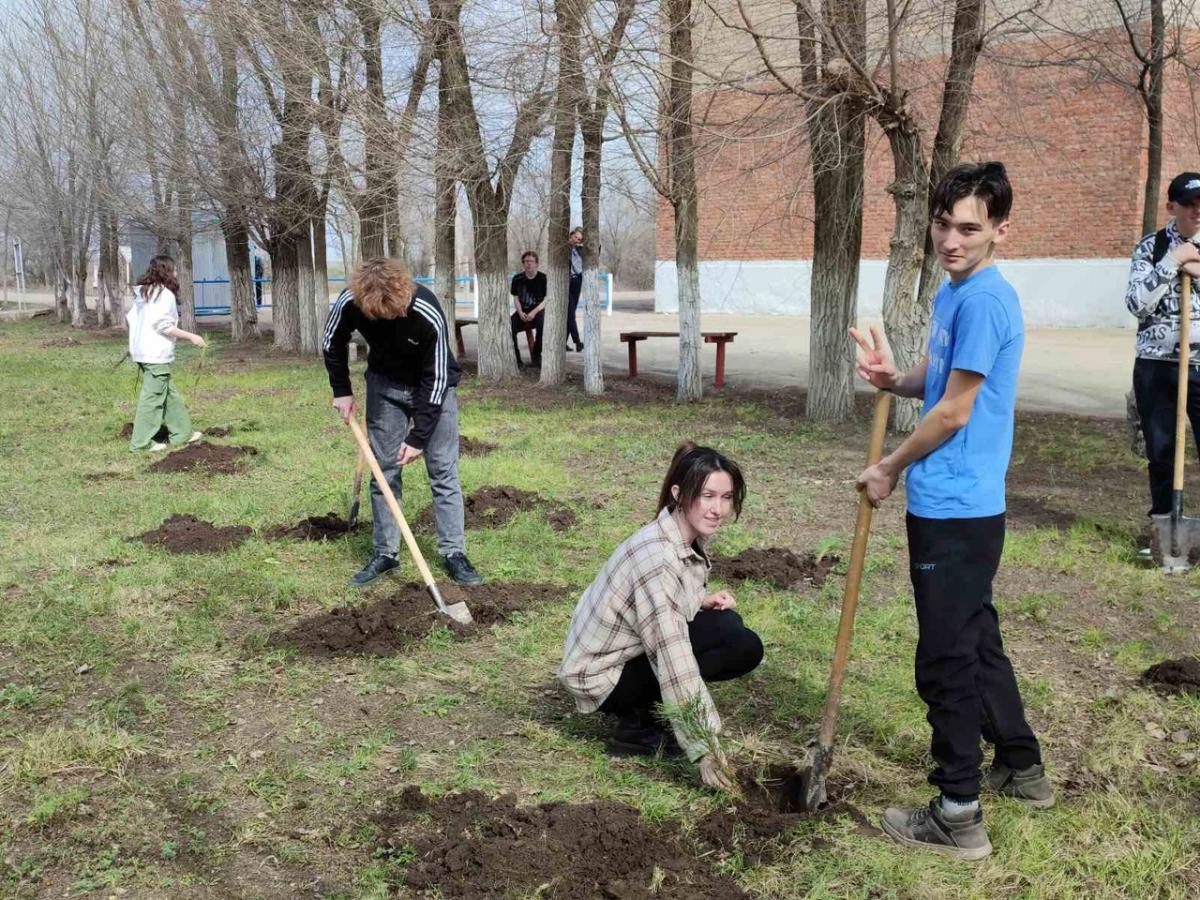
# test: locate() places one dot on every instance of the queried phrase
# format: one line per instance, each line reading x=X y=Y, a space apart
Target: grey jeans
x=389 y=408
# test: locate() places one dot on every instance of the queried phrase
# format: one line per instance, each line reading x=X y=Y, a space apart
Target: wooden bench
x=720 y=338
x=458 y=335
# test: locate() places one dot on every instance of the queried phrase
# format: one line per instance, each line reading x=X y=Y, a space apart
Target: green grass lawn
x=152 y=745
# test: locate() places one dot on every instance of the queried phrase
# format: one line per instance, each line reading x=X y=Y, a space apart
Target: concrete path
x=1075 y=370
x=1083 y=371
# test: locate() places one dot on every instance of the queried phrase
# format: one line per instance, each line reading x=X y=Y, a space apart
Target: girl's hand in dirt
x=876 y=364
x=719 y=600
x=714 y=772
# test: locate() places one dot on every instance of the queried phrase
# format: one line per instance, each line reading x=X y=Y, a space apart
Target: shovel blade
x=459 y=613
x=1175 y=546
x=812 y=781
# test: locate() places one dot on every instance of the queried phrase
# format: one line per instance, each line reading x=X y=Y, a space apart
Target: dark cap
x=1184 y=187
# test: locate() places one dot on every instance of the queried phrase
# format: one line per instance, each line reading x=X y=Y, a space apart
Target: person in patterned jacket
x=1153 y=297
x=647 y=631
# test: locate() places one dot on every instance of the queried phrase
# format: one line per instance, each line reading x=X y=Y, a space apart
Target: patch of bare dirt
x=774 y=565
x=313 y=528
x=206 y=459
x=770 y=805
x=387 y=626
x=1175 y=676
x=470 y=847
x=187 y=534
x=561 y=519
x=57 y=343
x=473 y=447
x=494 y=505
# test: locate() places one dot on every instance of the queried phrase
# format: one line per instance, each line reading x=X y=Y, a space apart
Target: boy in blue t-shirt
x=957 y=459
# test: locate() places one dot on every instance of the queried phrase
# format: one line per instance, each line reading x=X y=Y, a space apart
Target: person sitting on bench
x=529 y=287
x=647 y=631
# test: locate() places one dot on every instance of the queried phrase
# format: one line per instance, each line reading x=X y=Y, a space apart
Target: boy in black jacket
x=412 y=407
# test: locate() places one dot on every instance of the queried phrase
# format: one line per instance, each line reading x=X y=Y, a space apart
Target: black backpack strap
x=1162 y=244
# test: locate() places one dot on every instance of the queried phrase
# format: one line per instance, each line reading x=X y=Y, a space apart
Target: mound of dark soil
x=205 y=458
x=387 y=626
x=314 y=528
x=770 y=805
x=468 y=846
x=161 y=435
x=187 y=534
x=773 y=565
x=494 y=505
x=472 y=447
x=561 y=519
x=1176 y=676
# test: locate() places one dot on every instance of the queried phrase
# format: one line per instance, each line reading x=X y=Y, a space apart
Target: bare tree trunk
x=321 y=270
x=496 y=359
x=106 y=299
x=489 y=203
x=838 y=156
x=445 y=215
x=80 y=280
x=905 y=319
x=7 y=248
x=186 y=267
x=562 y=151
x=285 y=291
x=681 y=163
x=306 y=289
x=1151 y=89
x=244 y=321
x=589 y=299
x=965 y=43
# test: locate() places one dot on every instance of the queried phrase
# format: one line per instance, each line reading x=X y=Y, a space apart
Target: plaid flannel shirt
x=642 y=602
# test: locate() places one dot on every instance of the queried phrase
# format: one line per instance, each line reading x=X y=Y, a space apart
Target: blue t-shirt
x=977 y=327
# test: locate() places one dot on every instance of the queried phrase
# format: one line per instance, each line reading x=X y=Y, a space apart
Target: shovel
x=812 y=780
x=457 y=611
x=352 y=519
x=1175 y=537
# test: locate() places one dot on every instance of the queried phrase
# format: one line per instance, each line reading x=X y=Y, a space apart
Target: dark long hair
x=158 y=275
x=690 y=468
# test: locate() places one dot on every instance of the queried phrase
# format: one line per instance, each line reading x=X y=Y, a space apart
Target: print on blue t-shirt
x=977 y=327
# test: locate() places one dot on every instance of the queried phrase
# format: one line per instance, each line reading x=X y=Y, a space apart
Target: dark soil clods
x=494 y=505
x=1175 y=676
x=313 y=528
x=773 y=565
x=205 y=458
x=187 y=534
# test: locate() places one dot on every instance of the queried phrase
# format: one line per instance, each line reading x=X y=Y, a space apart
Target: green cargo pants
x=159 y=404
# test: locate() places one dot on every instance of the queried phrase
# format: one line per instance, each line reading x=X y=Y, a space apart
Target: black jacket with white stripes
x=413 y=351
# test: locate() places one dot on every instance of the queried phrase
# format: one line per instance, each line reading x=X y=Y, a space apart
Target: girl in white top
x=153 y=329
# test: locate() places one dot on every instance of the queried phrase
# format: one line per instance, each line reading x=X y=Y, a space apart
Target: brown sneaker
x=1030 y=786
x=929 y=828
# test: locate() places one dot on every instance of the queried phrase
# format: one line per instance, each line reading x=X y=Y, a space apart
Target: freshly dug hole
x=313 y=528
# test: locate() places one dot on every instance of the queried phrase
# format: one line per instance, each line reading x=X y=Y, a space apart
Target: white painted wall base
x=1055 y=293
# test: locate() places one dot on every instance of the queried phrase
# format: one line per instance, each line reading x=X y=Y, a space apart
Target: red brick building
x=1074 y=147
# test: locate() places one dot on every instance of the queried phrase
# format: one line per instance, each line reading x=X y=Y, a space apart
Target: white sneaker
x=156 y=446
x=196 y=435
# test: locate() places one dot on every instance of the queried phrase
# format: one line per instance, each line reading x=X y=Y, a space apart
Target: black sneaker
x=637 y=736
x=930 y=828
x=460 y=570
x=579 y=348
x=1030 y=786
x=377 y=565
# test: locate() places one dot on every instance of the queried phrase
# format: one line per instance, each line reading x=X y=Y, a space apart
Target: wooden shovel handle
x=384 y=488
x=1185 y=347
x=858 y=556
